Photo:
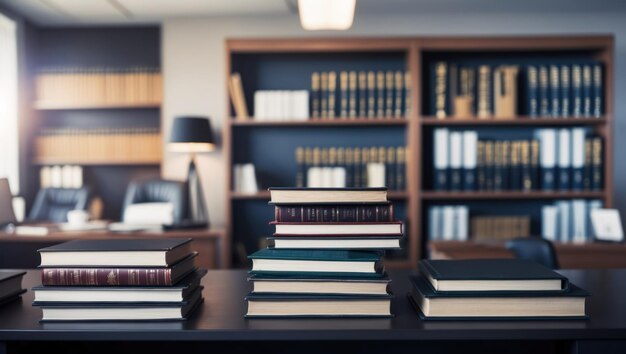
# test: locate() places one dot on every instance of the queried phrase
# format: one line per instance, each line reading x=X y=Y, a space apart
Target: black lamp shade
x=191 y=134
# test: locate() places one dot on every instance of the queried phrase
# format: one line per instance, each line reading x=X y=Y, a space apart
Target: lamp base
x=197 y=208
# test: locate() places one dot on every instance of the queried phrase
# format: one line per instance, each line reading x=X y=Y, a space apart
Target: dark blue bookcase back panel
x=251 y=224
x=272 y=149
x=292 y=71
x=494 y=59
x=484 y=133
x=103 y=118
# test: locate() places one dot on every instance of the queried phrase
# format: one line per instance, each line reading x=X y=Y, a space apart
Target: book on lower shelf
x=324 y=268
x=494 y=289
x=119 y=280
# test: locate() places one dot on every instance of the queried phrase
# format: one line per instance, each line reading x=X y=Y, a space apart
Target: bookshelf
x=96 y=103
x=260 y=60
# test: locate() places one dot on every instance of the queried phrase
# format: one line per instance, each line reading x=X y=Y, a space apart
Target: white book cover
x=259 y=112
x=77 y=176
x=314 y=177
x=434 y=223
x=549 y=215
x=375 y=174
x=237 y=180
x=547 y=148
x=578 y=147
x=579 y=220
x=565 y=222
x=248 y=179
x=456 y=150
x=67 y=175
x=591 y=205
x=564 y=149
x=462 y=221
x=45 y=177
x=327 y=177
x=447 y=228
x=339 y=177
x=56 y=177
x=440 y=149
x=470 y=146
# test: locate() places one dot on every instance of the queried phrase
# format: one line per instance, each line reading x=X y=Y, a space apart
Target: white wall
x=194 y=62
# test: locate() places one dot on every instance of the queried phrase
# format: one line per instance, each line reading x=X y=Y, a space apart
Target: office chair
x=159 y=191
x=534 y=249
x=52 y=204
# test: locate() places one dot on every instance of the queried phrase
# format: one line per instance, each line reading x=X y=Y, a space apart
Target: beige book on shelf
x=332 y=94
x=505 y=91
x=441 y=70
x=158 y=87
x=380 y=95
x=484 y=92
x=143 y=85
x=389 y=90
x=238 y=97
x=407 y=94
x=353 y=87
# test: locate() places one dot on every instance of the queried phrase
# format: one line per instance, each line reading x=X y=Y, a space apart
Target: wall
x=195 y=83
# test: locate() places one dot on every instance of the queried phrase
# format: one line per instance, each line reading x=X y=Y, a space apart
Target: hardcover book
x=316 y=261
x=353 y=243
x=306 y=284
x=286 y=195
x=390 y=228
x=476 y=305
x=159 y=252
x=331 y=213
x=294 y=305
x=10 y=284
x=491 y=275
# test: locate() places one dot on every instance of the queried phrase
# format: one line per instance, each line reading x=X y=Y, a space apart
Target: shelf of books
x=454 y=127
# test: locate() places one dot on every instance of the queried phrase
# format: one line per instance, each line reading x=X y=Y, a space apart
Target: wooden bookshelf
x=417 y=127
x=97 y=162
x=53 y=106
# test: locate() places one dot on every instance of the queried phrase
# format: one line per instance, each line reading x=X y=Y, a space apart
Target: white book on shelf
x=375 y=174
x=456 y=150
x=440 y=151
x=462 y=221
x=565 y=222
x=564 y=161
x=248 y=179
x=579 y=220
x=591 y=205
x=578 y=148
x=45 y=177
x=67 y=175
x=77 y=176
x=339 y=177
x=314 y=177
x=56 y=177
x=327 y=177
x=470 y=144
x=447 y=228
x=547 y=148
x=549 y=224
x=237 y=178
x=434 y=223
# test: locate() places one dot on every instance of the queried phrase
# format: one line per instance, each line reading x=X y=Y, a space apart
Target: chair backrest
x=159 y=191
x=534 y=249
x=52 y=204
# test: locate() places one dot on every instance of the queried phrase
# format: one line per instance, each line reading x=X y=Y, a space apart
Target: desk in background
x=219 y=326
x=18 y=251
x=580 y=256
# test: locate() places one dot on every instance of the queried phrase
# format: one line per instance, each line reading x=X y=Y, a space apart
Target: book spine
x=555 y=97
x=532 y=91
x=300 y=172
x=597 y=91
x=361 y=213
x=400 y=168
x=324 y=95
x=371 y=94
x=352 y=88
x=389 y=91
x=407 y=94
x=390 y=168
x=577 y=94
x=440 y=74
x=106 y=277
x=332 y=89
x=484 y=92
x=596 y=178
x=343 y=87
x=380 y=97
x=565 y=91
x=399 y=80
x=544 y=98
x=315 y=95
x=587 y=83
x=362 y=94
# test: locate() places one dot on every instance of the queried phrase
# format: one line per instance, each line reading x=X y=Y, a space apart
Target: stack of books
x=325 y=256
x=494 y=289
x=10 y=285
x=118 y=280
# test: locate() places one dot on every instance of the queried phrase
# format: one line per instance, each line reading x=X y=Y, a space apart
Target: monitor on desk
x=7 y=215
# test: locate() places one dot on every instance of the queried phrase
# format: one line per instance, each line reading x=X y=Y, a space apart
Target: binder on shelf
x=578 y=158
x=456 y=160
x=547 y=158
x=441 y=159
x=470 y=146
x=315 y=95
x=564 y=161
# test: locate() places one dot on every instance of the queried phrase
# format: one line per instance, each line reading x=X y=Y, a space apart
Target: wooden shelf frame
x=54 y=106
x=418 y=124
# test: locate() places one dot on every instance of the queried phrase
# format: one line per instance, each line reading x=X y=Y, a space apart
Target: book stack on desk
x=324 y=259
x=119 y=280
x=494 y=289
x=10 y=285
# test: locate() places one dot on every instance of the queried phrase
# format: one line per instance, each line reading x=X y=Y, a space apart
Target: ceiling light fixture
x=318 y=15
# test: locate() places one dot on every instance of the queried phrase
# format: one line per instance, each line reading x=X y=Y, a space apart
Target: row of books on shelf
x=546 y=90
x=351 y=94
x=563 y=159
x=324 y=259
x=281 y=105
x=57 y=176
x=568 y=221
x=74 y=85
x=375 y=166
x=564 y=221
x=119 y=280
x=99 y=144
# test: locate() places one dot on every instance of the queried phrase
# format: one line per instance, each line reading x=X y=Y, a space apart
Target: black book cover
x=469 y=179
x=577 y=178
x=455 y=179
x=564 y=178
x=547 y=178
x=112 y=245
x=440 y=179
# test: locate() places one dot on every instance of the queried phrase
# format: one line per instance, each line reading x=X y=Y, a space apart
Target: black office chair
x=534 y=249
x=52 y=204
x=159 y=191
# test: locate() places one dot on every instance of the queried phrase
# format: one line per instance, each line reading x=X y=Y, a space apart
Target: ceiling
x=88 y=12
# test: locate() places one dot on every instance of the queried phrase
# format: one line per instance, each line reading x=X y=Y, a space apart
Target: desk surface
x=221 y=318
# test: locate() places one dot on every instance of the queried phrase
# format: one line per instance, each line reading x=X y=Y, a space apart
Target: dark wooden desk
x=219 y=327
x=21 y=251
x=580 y=256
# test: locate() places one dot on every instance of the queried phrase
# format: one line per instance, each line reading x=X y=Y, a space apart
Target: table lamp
x=193 y=135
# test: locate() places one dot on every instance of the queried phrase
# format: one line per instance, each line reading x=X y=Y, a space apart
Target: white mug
x=77 y=217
